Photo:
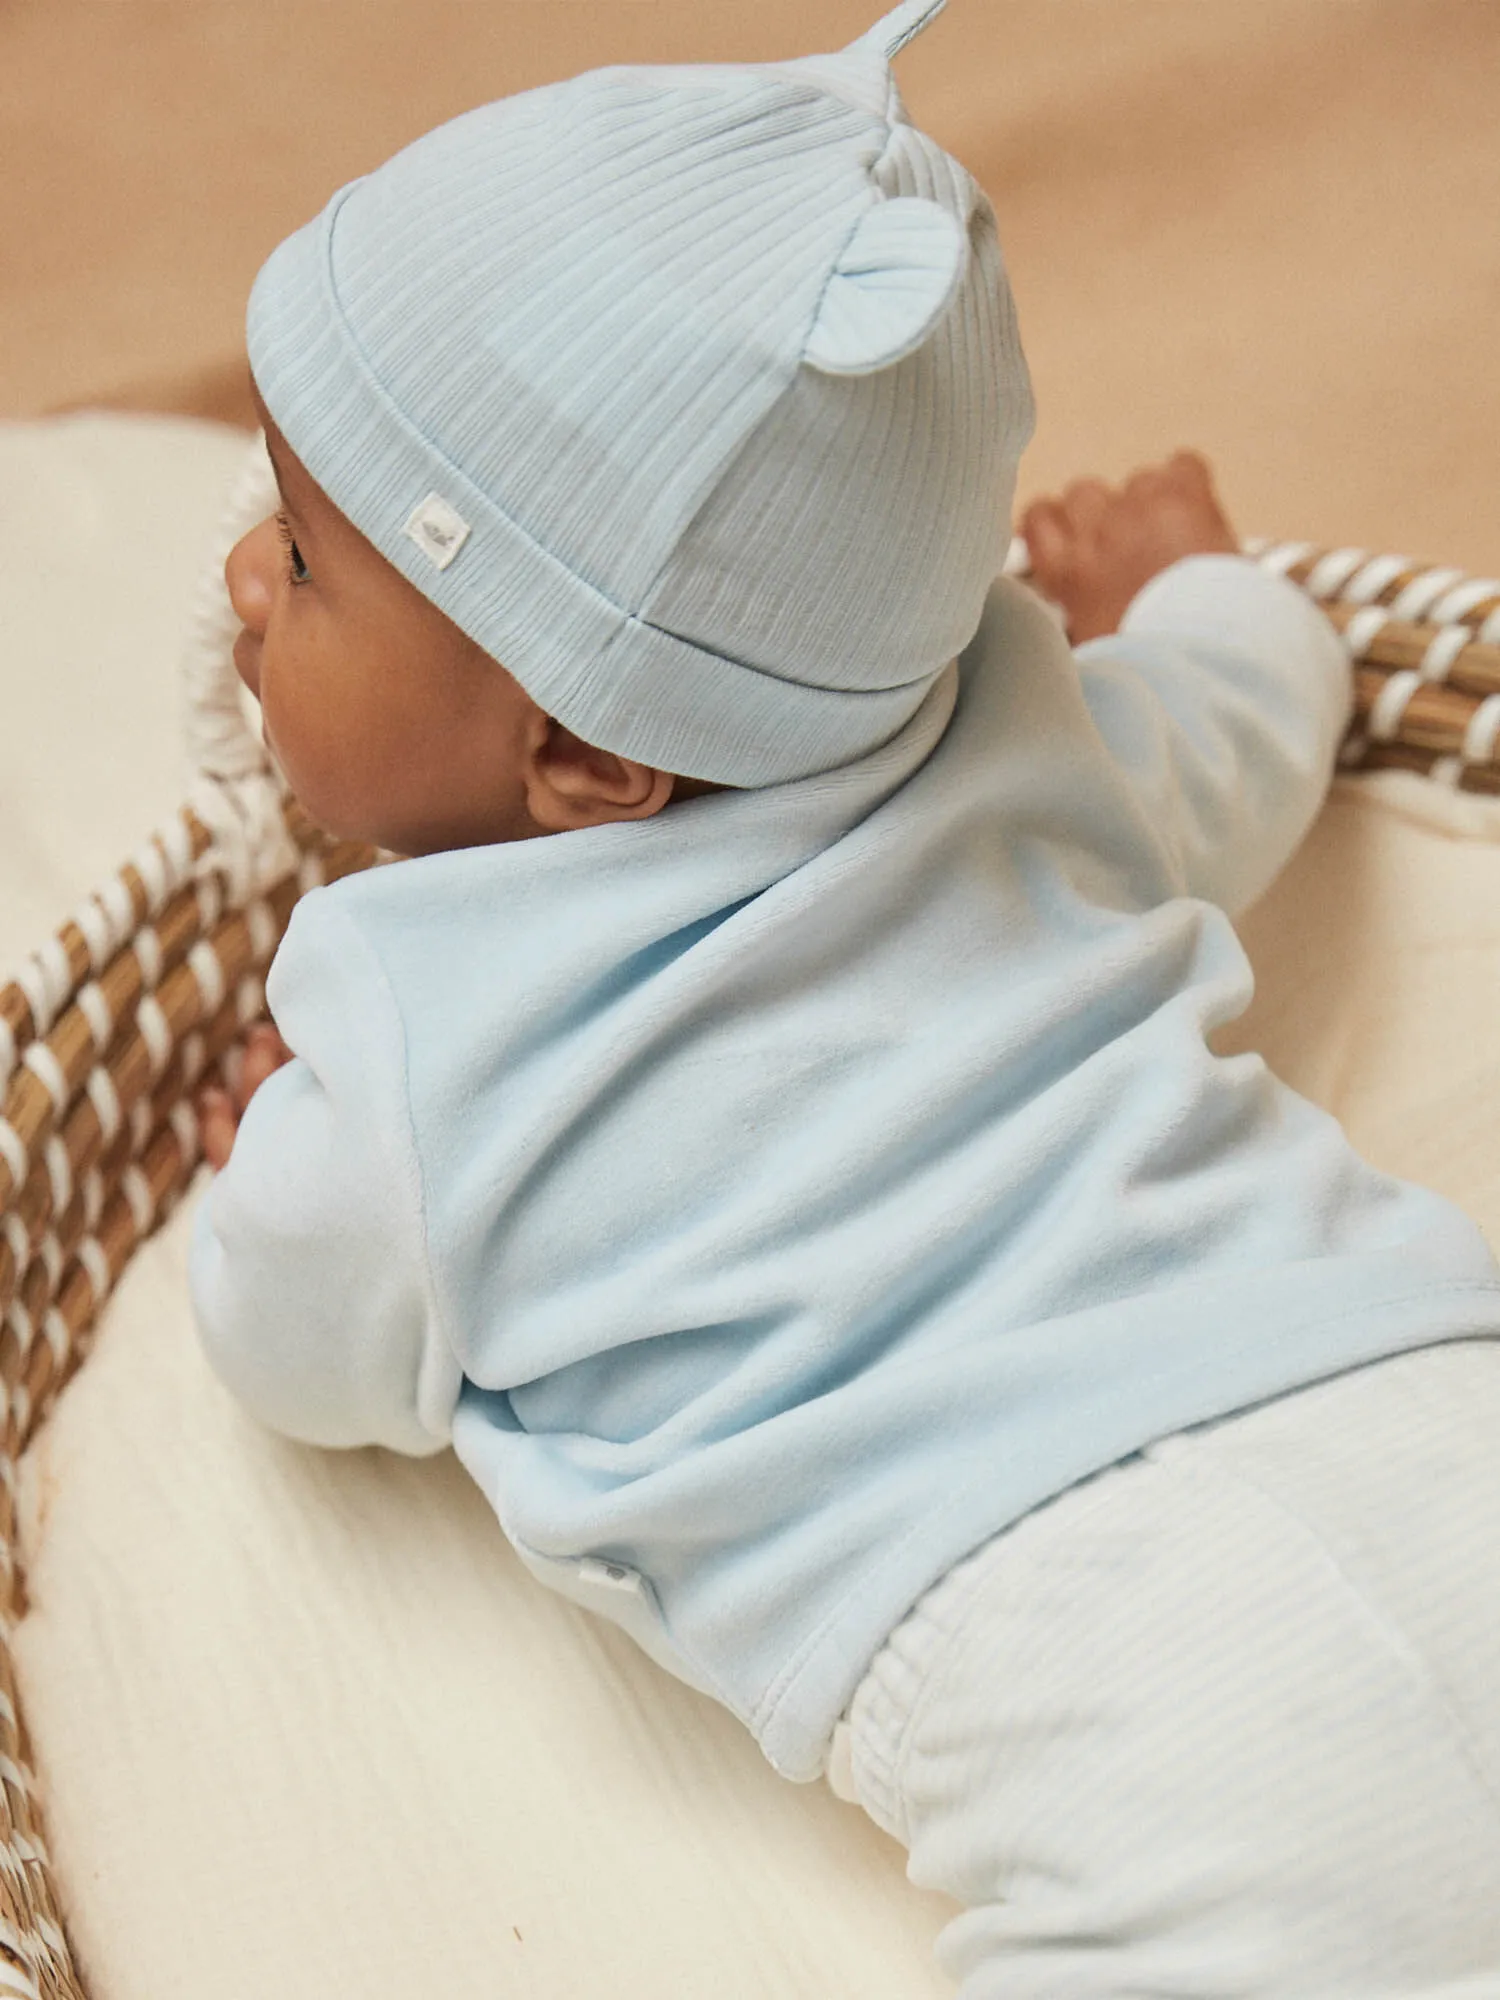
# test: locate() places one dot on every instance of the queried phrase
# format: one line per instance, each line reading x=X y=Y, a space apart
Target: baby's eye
x=296 y=568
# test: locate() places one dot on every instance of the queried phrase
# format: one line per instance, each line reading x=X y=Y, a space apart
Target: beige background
x=1270 y=229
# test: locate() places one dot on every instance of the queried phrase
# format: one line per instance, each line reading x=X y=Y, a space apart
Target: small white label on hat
x=438 y=530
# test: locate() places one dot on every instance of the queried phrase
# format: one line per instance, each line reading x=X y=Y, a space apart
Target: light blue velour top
x=774 y=1199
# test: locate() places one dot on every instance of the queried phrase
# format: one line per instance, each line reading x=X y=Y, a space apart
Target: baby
x=768 y=1125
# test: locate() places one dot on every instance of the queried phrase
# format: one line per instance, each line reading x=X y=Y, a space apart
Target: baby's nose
x=249 y=571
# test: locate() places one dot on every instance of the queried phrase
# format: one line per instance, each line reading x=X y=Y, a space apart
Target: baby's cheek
x=326 y=760
x=294 y=740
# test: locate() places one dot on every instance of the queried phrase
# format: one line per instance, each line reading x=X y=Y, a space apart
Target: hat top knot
x=903 y=24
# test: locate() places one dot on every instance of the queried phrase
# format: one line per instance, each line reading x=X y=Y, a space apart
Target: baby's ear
x=895 y=280
x=570 y=783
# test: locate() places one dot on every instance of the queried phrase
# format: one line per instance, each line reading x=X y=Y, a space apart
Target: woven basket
x=106 y=1030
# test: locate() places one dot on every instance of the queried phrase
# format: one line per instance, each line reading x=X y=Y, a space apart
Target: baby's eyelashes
x=296 y=568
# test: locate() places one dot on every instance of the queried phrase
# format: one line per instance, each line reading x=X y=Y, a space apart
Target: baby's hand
x=221 y=1106
x=1096 y=546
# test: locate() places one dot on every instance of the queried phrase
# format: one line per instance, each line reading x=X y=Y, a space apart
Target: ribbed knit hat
x=692 y=394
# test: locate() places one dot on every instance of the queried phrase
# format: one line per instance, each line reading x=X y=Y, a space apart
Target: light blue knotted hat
x=692 y=394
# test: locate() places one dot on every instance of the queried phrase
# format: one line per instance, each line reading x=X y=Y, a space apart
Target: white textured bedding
x=302 y=1723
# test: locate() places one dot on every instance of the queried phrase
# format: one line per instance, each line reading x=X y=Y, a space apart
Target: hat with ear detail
x=898 y=274
x=709 y=375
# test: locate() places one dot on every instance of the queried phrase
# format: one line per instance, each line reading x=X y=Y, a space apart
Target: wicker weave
x=106 y=1030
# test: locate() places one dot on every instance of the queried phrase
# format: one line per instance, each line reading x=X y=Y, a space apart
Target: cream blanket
x=303 y=1725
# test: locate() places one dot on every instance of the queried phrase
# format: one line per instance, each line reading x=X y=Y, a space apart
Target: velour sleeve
x=308 y=1267
x=1223 y=698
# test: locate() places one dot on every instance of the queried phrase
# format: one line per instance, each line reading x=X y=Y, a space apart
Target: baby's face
x=390 y=723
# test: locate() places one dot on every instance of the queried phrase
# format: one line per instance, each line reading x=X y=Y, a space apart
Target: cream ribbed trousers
x=1225 y=1719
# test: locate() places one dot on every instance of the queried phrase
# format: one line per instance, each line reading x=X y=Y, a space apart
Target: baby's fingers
x=264 y=1053
x=1194 y=468
x=218 y=1121
x=1050 y=539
